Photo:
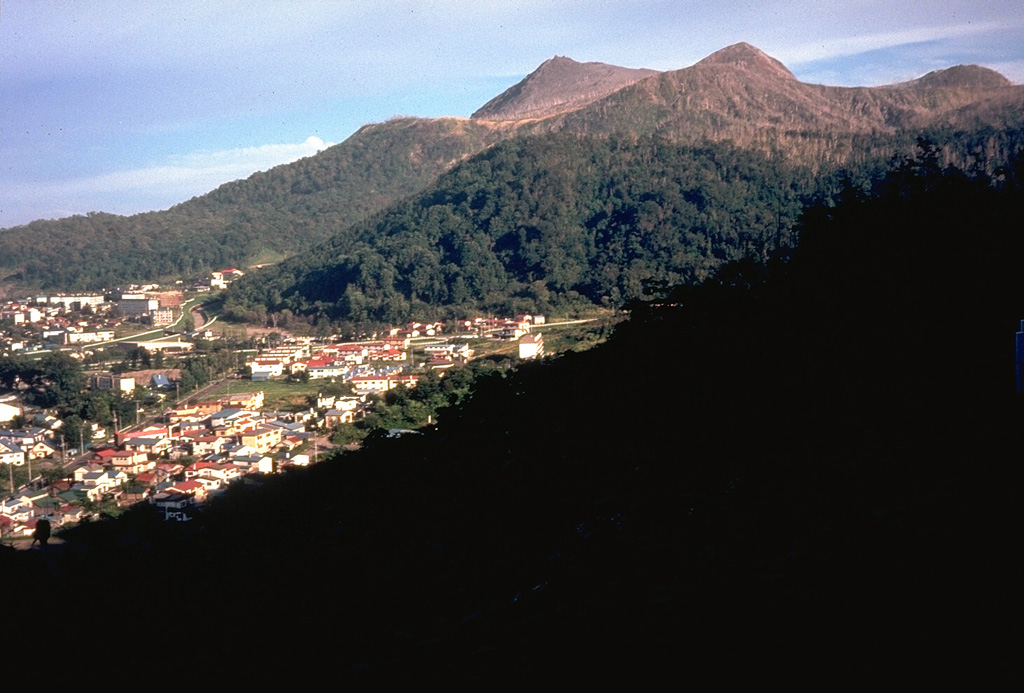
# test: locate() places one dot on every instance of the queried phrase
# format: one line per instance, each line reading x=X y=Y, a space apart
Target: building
x=9 y=411
x=90 y=337
x=11 y=453
x=221 y=278
x=263 y=369
x=109 y=381
x=170 y=345
x=531 y=346
x=162 y=316
x=134 y=304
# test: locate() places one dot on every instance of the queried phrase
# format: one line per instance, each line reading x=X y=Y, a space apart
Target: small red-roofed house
x=191 y=486
x=197 y=468
x=103 y=457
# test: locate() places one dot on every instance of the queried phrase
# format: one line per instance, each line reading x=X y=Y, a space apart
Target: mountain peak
x=748 y=58
x=559 y=84
x=556 y=61
x=960 y=76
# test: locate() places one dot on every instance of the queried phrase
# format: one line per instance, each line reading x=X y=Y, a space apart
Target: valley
x=631 y=373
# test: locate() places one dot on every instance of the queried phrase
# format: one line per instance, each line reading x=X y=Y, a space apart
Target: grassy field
x=278 y=394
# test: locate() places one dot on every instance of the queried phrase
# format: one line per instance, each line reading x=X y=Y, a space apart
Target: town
x=191 y=425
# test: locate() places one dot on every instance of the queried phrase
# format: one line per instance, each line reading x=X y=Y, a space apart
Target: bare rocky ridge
x=742 y=95
x=558 y=85
x=745 y=58
x=963 y=76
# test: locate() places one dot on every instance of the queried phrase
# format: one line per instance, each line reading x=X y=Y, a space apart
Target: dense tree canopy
x=554 y=221
x=538 y=223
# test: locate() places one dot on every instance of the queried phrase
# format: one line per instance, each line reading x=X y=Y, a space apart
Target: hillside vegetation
x=541 y=224
x=737 y=98
x=279 y=213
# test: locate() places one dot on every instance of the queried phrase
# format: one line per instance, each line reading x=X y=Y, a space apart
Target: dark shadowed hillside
x=819 y=472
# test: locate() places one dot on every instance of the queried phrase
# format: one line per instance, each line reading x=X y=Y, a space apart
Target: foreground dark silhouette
x=800 y=462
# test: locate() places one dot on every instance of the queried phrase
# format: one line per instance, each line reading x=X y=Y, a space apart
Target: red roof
x=196 y=466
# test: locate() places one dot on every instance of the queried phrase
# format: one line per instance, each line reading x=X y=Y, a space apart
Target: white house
x=531 y=346
x=9 y=411
x=11 y=453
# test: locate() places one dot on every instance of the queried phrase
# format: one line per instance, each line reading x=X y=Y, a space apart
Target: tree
x=53 y=474
x=72 y=431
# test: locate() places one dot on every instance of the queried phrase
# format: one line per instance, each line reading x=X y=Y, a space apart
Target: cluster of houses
x=47 y=321
x=201 y=447
x=334 y=361
x=352 y=361
x=195 y=452
x=20 y=447
x=80 y=319
x=370 y=366
x=519 y=328
x=33 y=441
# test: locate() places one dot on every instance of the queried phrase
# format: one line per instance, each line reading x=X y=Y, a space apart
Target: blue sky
x=129 y=107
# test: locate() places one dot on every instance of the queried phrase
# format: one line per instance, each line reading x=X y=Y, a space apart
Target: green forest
x=555 y=223
x=538 y=224
x=263 y=218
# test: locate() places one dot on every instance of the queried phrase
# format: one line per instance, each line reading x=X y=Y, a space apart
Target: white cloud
x=204 y=169
x=838 y=47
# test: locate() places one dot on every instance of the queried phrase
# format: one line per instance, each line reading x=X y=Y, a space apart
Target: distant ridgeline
x=263 y=218
x=576 y=187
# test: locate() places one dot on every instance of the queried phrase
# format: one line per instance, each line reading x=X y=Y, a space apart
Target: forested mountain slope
x=265 y=217
x=561 y=221
x=739 y=97
x=536 y=223
x=661 y=180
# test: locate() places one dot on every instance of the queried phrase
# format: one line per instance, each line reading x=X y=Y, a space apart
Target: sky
x=131 y=107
